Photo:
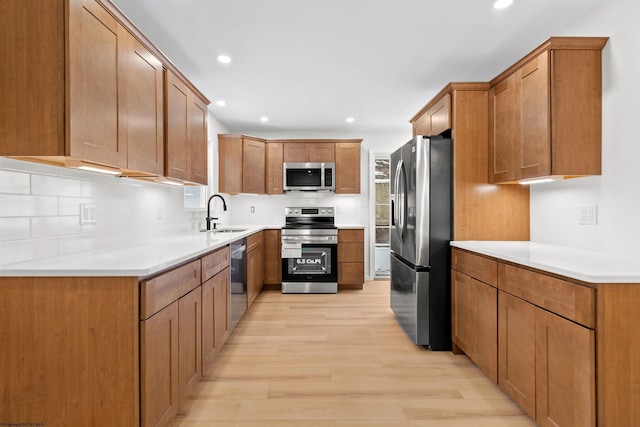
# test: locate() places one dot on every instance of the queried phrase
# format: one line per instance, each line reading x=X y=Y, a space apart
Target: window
x=382 y=215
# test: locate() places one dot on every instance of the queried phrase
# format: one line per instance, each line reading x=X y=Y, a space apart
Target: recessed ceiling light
x=224 y=59
x=221 y=103
x=350 y=120
x=501 y=4
x=264 y=119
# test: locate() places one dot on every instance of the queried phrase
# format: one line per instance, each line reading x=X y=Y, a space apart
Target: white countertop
x=587 y=266
x=144 y=259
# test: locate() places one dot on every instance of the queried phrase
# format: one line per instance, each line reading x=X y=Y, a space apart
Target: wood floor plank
x=340 y=360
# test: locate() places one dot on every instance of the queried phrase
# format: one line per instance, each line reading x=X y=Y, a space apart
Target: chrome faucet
x=224 y=207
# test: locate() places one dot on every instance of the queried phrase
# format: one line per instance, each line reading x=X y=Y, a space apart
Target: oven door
x=315 y=270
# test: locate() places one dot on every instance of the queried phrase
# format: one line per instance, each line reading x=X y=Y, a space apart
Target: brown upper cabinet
x=274 y=174
x=481 y=211
x=102 y=101
x=253 y=165
x=186 y=132
x=241 y=164
x=436 y=119
x=545 y=112
x=309 y=152
x=348 y=167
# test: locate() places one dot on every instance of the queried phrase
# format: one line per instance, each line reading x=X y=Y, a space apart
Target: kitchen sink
x=226 y=230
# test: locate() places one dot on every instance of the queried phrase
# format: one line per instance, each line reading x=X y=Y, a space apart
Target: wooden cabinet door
x=142 y=103
x=502 y=131
x=517 y=350
x=565 y=372
x=273 y=168
x=253 y=162
x=272 y=257
x=486 y=355
x=197 y=140
x=159 y=367
x=215 y=316
x=189 y=346
x=322 y=152
x=221 y=307
x=255 y=270
x=347 y=168
x=351 y=257
x=209 y=301
x=440 y=115
x=230 y=164
x=475 y=321
x=186 y=117
x=177 y=117
x=533 y=128
x=464 y=313
x=96 y=66
x=296 y=152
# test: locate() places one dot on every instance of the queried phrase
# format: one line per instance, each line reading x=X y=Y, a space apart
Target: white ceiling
x=309 y=64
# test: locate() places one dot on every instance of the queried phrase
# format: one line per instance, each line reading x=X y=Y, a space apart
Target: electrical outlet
x=159 y=213
x=253 y=209
x=87 y=213
x=588 y=214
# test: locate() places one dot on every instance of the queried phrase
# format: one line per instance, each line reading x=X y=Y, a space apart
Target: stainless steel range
x=310 y=251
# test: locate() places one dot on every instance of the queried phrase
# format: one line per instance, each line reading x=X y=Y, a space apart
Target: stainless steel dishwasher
x=238 y=303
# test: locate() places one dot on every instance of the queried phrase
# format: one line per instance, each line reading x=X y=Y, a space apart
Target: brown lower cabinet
x=255 y=266
x=548 y=358
x=350 y=258
x=272 y=259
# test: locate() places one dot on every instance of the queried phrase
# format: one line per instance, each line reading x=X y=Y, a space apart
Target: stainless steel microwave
x=309 y=176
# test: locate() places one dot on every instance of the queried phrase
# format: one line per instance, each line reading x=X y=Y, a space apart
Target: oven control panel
x=309 y=212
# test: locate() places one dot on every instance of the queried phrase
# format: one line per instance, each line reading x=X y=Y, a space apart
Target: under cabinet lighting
x=535 y=181
x=264 y=119
x=350 y=120
x=176 y=183
x=100 y=170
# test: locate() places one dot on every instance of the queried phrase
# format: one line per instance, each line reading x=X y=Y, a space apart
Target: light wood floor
x=341 y=361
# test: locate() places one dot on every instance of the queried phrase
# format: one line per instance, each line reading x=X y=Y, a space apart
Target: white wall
x=554 y=206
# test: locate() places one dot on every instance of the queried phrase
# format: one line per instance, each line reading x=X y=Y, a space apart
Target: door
x=189 y=346
x=403 y=224
x=517 y=350
x=95 y=52
x=398 y=202
x=410 y=301
x=565 y=372
x=159 y=367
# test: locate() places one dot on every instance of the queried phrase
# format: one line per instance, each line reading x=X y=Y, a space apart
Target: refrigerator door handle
x=393 y=217
x=401 y=195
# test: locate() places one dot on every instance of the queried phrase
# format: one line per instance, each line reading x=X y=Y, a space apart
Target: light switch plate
x=87 y=213
x=588 y=214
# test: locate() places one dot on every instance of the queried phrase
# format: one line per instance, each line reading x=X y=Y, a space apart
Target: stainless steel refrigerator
x=421 y=229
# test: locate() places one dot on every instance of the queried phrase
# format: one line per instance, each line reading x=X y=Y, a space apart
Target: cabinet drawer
x=566 y=299
x=254 y=241
x=351 y=252
x=476 y=266
x=356 y=235
x=214 y=263
x=159 y=292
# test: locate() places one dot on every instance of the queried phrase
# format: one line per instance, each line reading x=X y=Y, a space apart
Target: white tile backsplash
x=40 y=211
x=54 y=186
x=14 y=182
x=25 y=205
x=14 y=228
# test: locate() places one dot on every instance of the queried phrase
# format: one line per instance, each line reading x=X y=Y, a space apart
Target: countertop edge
x=502 y=250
